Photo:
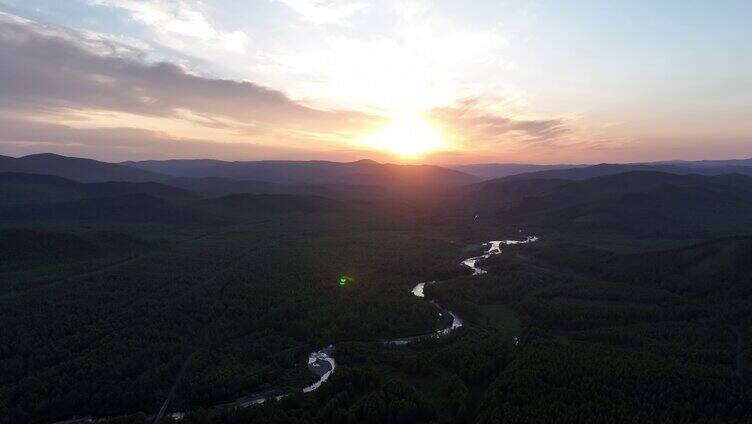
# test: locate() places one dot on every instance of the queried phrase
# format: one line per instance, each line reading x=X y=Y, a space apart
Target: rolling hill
x=363 y=172
x=680 y=168
x=488 y=171
x=78 y=169
x=638 y=204
x=21 y=188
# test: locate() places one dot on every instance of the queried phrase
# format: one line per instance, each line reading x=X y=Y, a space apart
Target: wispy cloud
x=401 y=56
x=20 y=137
x=477 y=127
x=54 y=75
x=181 y=23
x=326 y=11
x=72 y=89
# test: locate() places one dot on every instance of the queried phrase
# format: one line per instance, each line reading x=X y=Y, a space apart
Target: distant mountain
x=639 y=204
x=611 y=169
x=709 y=163
x=21 y=188
x=78 y=169
x=537 y=194
x=488 y=171
x=578 y=172
x=363 y=172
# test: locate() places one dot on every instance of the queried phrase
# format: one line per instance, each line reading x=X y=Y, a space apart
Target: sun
x=408 y=137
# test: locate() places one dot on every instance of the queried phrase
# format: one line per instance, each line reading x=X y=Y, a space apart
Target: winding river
x=322 y=364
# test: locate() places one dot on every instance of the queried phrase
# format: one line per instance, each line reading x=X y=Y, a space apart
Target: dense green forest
x=104 y=311
x=247 y=303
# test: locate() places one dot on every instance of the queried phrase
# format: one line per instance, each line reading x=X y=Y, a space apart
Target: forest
x=203 y=301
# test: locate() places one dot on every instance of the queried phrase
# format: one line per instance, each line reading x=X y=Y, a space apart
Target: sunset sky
x=443 y=82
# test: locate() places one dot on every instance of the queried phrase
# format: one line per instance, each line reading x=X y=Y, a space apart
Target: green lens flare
x=344 y=280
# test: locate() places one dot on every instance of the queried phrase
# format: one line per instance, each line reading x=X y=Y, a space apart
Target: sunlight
x=408 y=137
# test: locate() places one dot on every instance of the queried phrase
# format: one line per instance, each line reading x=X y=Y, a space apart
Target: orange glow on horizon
x=407 y=137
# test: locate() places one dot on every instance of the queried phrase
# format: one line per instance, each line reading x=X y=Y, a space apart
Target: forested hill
x=711 y=268
x=519 y=171
x=50 y=199
x=79 y=169
x=22 y=188
x=639 y=204
x=680 y=168
x=364 y=172
x=144 y=208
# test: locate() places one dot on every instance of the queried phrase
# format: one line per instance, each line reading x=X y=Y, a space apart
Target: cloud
x=71 y=89
x=58 y=74
x=325 y=11
x=476 y=126
x=20 y=137
x=392 y=55
x=182 y=22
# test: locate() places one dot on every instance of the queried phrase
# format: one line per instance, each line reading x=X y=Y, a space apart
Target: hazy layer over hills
x=488 y=171
x=581 y=173
x=363 y=172
x=257 y=176
x=21 y=188
x=84 y=170
x=527 y=171
x=631 y=200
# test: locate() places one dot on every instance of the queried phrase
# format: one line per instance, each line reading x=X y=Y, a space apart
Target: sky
x=443 y=81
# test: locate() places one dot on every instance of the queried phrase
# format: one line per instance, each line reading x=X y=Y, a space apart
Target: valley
x=231 y=307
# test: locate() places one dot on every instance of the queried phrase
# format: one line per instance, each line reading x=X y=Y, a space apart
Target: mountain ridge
x=17 y=188
x=74 y=168
x=364 y=172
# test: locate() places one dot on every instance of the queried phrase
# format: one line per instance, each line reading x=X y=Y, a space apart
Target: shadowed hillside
x=84 y=170
x=640 y=204
x=33 y=246
x=146 y=208
x=715 y=267
x=681 y=168
x=576 y=172
x=20 y=188
x=364 y=172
